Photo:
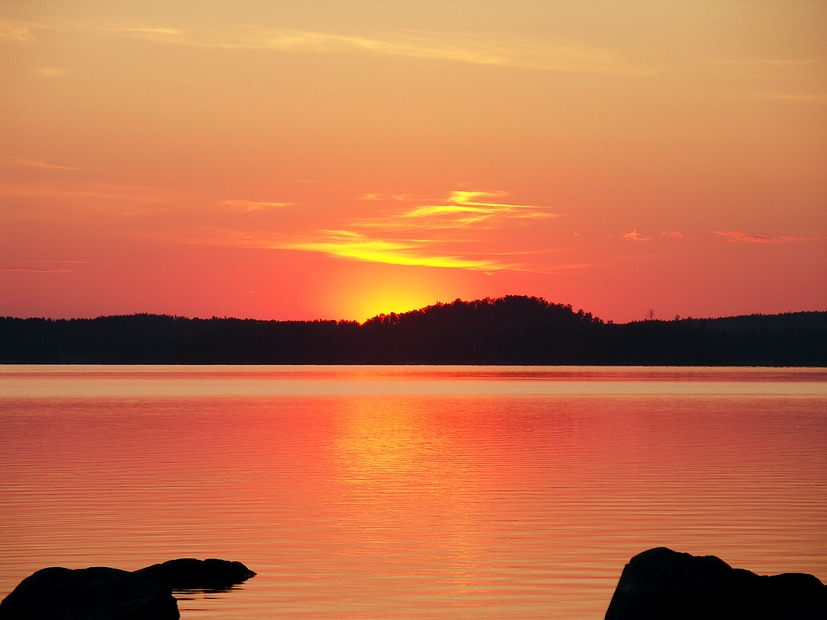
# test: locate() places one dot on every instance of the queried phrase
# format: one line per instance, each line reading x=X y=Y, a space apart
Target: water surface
x=410 y=492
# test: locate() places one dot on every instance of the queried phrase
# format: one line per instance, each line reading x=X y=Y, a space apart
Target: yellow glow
x=385 y=301
x=381 y=290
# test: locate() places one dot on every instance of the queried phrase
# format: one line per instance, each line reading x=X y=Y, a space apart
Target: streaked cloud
x=412 y=252
x=14 y=33
x=104 y=193
x=53 y=71
x=45 y=266
x=150 y=31
x=467 y=207
x=73 y=199
x=795 y=97
x=769 y=62
x=42 y=165
x=461 y=209
x=32 y=270
x=635 y=236
x=255 y=205
x=454 y=47
x=425 y=234
x=667 y=234
x=440 y=46
x=742 y=237
x=399 y=197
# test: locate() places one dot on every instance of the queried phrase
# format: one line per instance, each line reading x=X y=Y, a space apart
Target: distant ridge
x=790 y=320
x=509 y=331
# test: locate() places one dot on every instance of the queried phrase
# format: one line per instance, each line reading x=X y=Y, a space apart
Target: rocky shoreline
x=655 y=585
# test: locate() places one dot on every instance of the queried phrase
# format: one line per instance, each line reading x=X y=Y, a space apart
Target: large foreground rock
x=111 y=594
x=89 y=594
x=663 y=584
x=192 y=574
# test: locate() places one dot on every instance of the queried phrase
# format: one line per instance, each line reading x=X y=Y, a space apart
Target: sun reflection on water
x=413 y=492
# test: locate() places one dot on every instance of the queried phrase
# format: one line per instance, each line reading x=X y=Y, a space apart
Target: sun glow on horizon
x=377 y=291
x=290 y=161
x=384 y=301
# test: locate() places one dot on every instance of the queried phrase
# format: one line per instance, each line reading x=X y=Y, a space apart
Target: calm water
x=410 y=492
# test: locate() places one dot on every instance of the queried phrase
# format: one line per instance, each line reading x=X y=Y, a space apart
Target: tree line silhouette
x=509 y=330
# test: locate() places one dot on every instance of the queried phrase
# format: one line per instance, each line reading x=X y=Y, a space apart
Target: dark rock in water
x=89 y=594
x=112 y=594
x=661 y=583
x=192 y=574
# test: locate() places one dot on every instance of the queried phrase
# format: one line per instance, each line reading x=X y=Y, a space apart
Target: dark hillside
x=509 y=330
x=791 y=320
x=154 y=339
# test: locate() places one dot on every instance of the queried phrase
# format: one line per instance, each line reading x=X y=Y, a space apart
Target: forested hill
x=509 y=330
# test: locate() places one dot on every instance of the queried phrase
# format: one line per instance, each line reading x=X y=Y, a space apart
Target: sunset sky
x=302 y=160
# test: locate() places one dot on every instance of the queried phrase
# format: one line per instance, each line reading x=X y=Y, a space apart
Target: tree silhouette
x=507 y=330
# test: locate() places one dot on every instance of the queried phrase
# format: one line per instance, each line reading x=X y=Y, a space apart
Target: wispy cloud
x=425 y=234
x=464 y=207
x=33 y=270
x=72 y=199
x=456 y=48
x=60 y=262
x=255 y=205
x=53 y=71
x=441 y=46
x=770 y=62
x=15 y=34
x=742 y=237
x=46 y=266
x=795 y=97
x=356 y=246
x=635 y=236
x=461 y=209
x=147 y=31
x=42 y=165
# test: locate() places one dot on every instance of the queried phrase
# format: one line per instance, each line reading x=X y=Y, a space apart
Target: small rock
x=192 y=574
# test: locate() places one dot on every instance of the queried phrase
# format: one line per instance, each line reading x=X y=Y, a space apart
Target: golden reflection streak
x=399 y=462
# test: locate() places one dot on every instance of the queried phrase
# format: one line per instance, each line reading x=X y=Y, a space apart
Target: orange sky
x=300 y=160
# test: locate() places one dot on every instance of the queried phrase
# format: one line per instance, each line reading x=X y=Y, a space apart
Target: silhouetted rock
x=89 y=594
x=192 y=574
x=661 y=583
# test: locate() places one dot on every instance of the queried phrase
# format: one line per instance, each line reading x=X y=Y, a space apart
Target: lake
x=410 y=492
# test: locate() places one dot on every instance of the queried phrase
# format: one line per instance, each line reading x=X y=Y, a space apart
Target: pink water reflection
x=401 y=504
